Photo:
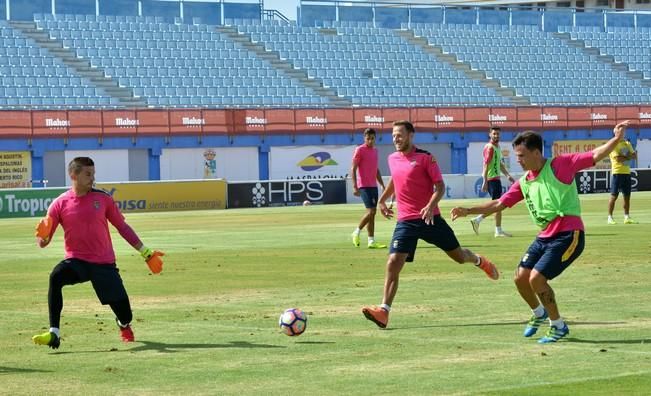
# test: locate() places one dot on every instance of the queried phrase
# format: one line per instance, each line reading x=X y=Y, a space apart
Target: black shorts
x=369 y=196
x=621 y=182
x=105 y=278
x=408 y=232
x=551 y=256
x=495 y=188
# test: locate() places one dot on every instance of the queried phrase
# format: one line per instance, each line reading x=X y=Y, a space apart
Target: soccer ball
x=293 y=322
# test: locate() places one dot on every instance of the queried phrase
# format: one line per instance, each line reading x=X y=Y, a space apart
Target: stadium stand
x=371 y=66
x=537 y=64
x=31 y=76
x=126 y=61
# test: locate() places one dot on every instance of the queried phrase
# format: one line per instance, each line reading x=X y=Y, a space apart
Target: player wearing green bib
x=491 y=183
x=551 y=196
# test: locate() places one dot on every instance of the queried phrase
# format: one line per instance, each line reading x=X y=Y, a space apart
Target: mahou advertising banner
x=73 y=123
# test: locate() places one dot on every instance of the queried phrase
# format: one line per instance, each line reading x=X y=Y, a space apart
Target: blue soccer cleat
x=554 y=334
x=534 y=323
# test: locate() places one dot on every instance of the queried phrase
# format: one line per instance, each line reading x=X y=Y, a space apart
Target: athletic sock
x=55 y=330
x=539 y=311
x=558 y=323
x=386 y=307
x=371 y=239
x=357 y=231
x=478 y=260
x=479 y=218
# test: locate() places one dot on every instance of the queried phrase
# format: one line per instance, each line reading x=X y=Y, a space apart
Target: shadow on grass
x=443 y=325
x=176 y=347
x=606 y=342
x=505 y=323
x=314 y=342
x=15 y=370
x=162 y=347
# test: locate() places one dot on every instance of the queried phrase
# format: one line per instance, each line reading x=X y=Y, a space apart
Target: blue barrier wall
x=86 y=7
x=209 y=12
x=549 y=19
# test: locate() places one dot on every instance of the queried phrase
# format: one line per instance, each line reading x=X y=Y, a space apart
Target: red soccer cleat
x=126 y=333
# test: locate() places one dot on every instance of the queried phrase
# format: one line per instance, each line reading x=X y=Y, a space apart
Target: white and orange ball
x=293 y=322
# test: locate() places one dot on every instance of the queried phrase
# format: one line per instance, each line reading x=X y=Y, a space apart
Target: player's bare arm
x=485 y=209
x=426 y=213
x=353 y=176
x=379 y=179
x=506 y=173
x=602 y=151
x=388 y=192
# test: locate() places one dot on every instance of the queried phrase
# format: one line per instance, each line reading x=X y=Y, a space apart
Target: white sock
x=479 y=218
x=558 y=323
x=357 y=231
x=371 y=239
x=498 y=230
x=539 y=311
x=55 y=330
x=625 y=216
x=478 y=260
x=386 y=307
x=610 y=217
x=122 y=325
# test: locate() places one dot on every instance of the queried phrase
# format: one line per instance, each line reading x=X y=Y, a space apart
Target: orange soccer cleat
x=488 y=267
x=377 y=315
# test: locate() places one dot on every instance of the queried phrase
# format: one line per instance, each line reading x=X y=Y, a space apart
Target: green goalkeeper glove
x=153 y=259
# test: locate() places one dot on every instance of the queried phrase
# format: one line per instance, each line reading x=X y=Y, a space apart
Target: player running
x=418 y=185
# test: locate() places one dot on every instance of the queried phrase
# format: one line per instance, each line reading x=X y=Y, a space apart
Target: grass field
x=208 y=324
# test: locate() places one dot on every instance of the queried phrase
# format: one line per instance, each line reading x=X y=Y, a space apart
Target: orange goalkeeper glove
x=43 y=228
x=153 y=259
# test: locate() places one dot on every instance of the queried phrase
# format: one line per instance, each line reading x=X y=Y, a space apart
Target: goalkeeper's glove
x=153 y=259
x=43 y=229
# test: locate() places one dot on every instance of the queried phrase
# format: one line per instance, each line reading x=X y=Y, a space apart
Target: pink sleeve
x=565 y=166
x=356 y=156
x=116 y=218
x=488 y=154
x=54 y=212
x=512 y=196
x=433 y=169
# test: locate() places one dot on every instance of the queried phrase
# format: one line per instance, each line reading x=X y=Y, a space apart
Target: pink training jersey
x=85 y=227
x=414 y=175
x=366 y=158
x=565 y=168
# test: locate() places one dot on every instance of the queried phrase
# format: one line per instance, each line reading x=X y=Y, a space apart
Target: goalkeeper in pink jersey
x=84 y=213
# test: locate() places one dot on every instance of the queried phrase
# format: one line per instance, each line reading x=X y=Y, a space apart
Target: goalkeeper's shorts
x=105 y=278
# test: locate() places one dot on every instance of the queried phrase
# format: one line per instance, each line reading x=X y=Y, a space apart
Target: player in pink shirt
x=365 y=163
x=84 y=214
x=418 y=186
x=552 y=199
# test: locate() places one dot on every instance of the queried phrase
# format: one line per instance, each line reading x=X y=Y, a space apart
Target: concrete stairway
x=79 y=65
x=437 y=52
x=604 y=58
x=284 y=66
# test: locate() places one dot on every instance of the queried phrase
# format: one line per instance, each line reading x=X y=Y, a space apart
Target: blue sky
x=286 y=7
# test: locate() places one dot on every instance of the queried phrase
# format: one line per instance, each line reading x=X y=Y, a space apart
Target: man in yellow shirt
x=620 y=160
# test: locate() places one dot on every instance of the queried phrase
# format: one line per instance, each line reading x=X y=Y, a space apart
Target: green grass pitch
x=208 y=323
